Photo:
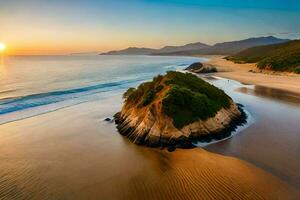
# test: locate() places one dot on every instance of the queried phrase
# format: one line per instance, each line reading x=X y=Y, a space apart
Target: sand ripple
x=196 y=174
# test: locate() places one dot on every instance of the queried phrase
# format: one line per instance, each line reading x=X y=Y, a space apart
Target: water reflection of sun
x=2 y=67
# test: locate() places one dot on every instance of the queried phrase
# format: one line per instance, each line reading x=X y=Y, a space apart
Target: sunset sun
x=2 y=46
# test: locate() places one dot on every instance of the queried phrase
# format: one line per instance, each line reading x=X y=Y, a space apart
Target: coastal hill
x=149 y=51
x=278 y=57
x=187 y=47
x=131 y=51
x=175 y=110
x=226 y=48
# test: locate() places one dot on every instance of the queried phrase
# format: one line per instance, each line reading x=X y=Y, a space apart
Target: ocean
x=32 y=85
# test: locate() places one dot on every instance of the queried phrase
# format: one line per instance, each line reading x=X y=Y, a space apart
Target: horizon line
x=100 y=52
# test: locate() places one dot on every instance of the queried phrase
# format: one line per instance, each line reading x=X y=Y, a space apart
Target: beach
x=62 y=148
x=73 y=154
x=240 y=72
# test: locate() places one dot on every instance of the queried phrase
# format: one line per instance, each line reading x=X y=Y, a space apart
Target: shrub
x=128 y=92
x=188 y=100
x=185 y=106
x=277 y=57
x=297 y=70
x=149 y=97
x=191 y=99
x=159 y=88
x=198 y=85
x=145 y=93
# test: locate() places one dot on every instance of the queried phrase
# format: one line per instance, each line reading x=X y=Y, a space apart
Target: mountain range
x=164 y=50
x=198 y=48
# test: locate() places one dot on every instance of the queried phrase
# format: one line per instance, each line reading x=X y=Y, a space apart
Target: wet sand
x=240 y=72
x=272 y=139
x=272 y=93
x=193 y=174
x=272 y=142
x=73 y=154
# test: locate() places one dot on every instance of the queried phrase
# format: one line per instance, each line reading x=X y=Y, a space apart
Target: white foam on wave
x=239 y=129
x=22 y=107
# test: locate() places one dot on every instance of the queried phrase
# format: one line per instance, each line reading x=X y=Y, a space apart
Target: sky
x=42 y=27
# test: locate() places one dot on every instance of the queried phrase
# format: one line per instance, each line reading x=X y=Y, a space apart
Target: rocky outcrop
x=151 y=128
x=199 y=67
x=177 y=110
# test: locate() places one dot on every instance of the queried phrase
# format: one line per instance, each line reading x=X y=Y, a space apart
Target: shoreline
x=189 y=142
x=241 y=72
x=181 y=174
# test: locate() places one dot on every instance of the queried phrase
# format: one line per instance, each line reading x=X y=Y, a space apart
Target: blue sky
x=60 y=26
x=256 y=4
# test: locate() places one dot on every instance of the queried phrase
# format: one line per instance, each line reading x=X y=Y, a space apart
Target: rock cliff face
x=151 y=125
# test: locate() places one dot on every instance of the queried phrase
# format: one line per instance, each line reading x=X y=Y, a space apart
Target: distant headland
x=199 y=48
x=269 y=52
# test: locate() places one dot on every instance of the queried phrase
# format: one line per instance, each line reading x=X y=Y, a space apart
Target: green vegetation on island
x=184 y=97
x=277 y=57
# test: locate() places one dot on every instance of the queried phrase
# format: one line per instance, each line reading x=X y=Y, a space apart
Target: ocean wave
x=14 y=104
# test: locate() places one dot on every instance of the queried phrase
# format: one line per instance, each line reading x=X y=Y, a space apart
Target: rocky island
x=199 y=67
x=177 y=110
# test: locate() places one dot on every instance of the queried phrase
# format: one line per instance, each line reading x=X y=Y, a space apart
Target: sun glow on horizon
x=2 y=46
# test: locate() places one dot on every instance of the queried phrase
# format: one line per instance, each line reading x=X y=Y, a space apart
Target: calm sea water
x=31 y=85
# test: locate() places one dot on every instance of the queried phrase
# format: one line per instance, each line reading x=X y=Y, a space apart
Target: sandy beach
x=87 y=158
x=240 y=72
